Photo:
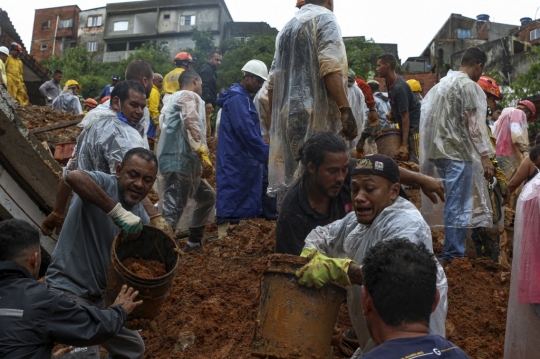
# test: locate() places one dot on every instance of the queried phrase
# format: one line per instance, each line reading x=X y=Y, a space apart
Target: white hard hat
x=4 y=50
x=256 y=67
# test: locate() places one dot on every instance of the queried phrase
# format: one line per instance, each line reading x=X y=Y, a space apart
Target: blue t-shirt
x=425 y=347
x=107 y=91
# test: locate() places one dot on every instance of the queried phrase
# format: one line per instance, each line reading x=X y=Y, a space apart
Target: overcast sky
x=411 y=24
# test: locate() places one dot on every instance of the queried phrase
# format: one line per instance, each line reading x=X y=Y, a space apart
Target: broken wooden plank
x=56 y=126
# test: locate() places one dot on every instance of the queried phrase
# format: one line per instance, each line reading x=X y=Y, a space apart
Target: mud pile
x=145 y=268
x=34 y=117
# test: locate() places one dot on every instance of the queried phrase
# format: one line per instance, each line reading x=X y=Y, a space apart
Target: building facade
x=55 y=30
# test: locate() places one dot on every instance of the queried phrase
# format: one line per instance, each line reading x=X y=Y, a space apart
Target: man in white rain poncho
x=455 y=149
x=306 y=88
x=358 y=106
x=522 y=339
x=182 y=154
x=379 y=215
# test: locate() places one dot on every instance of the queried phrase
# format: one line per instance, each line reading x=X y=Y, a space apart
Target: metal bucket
x=154 y=244
x=294 y=321
x=388 y=142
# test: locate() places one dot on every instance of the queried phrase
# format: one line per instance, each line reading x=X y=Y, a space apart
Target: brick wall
x=45 y=28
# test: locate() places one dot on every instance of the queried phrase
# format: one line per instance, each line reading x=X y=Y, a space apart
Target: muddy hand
x=126 y=298
x=62 y=352
x=430 y=186
x=53 y=220
x=159 y=222
x=402 y=153
x=373 y=118
x=349 y=129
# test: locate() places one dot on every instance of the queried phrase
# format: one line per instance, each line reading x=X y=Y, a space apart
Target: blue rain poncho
x=241 y=154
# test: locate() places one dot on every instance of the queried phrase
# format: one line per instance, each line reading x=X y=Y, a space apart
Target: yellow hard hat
x=414 y=85
x=71 y=83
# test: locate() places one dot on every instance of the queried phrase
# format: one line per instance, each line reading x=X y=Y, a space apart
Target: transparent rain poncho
x=346 y=238
x=308 y=48
x=522 y=339
x=453 y=127
x=263 y=109
x=512 y=136
x=184 y=199
x=105 y=140
x=358 y=106
x=67 y=102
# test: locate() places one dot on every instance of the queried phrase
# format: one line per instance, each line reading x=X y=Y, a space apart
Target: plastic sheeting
x=263 y=109
x=308 y=48
x=522 y=339
x=358 y=106
x=453 y=127
x=67 y=102
x=347 y=238
x=184 y=200
x=105 y=140
x=512 y=136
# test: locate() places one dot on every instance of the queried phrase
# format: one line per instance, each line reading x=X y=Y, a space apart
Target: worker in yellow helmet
x=416 y=88
x=183 y=61
x=14 y=71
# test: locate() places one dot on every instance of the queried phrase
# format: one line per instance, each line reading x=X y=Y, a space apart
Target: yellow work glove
x=161 y=223
x=321 y=270
x=130 y=224
x=53 y=220
x=156 y=121
x=207 y=168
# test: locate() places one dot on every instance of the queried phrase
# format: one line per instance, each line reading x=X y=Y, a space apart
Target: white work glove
x=130 y=224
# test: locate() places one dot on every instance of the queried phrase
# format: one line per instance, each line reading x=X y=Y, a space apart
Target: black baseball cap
x=379 y=165
x=115 y=77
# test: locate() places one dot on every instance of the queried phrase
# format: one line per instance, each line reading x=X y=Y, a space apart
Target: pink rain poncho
x=522 y=338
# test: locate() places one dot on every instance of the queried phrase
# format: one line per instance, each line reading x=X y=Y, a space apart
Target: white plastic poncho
x=183 y=132
x=68 y=102
x=346 y=238
x=522 y=339
x=105 y=140
x=512 y=136
x=308 y=48
x=358 y=106
x=453 y=127
x=263 y=109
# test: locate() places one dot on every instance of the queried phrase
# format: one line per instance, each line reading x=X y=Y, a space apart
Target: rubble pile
x=34 y=117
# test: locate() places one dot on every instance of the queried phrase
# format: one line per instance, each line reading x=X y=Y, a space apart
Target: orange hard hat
x=490 y=86
x=90 y=102
x=183 y=56
x=531 y=108
x=105 y=99
x=300 y=3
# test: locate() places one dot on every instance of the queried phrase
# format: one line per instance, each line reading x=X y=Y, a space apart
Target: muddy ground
x=212 y=307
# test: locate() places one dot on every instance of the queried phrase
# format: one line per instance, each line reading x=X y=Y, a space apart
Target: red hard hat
x=15 y=46
x=300 y=3
x=531 y=108
x=490 y=86
x=183 y=56
x=90 y=102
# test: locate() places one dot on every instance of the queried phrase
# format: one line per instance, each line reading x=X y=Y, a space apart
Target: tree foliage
x=362 y=56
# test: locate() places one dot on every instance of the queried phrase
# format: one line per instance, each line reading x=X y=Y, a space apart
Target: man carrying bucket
x=379 y=214
x=105 y=205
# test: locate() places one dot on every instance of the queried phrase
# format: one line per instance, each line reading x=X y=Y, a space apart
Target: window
x=463 y=34
x=65 y=24
x=46 y=25
x=92 y=46
x=166 y=17
x=121 y=25
x=188 y=20
x=43 y=47
x=535 y=34
x=94 y=21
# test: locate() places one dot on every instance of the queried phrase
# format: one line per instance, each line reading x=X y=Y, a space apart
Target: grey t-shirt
x=80 y=262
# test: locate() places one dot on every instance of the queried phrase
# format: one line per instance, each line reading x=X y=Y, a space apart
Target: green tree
x=236 y=54
x=362 y=56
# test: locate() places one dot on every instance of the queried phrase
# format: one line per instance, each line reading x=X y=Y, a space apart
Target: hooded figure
x=241 y=155
x=522 y=338
x=308 y=49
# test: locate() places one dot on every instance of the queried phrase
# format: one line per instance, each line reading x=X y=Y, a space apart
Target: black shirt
x=402 y=99
x=297 y=218
x=208 y=75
